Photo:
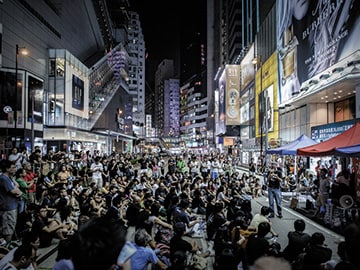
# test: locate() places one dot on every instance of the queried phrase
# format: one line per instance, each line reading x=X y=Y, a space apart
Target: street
x=281 y=226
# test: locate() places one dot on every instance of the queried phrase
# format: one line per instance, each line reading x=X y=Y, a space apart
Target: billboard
x=232 y=94
x=247 y=68
x=77 y=93
x=312 y=36
x=220 y=124
x=266 y=109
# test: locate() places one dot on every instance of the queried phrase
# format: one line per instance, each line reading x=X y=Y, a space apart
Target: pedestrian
x=324 y=191
x=9 y=197
x=97 y=168
x=16 y=157
x=252 y=167
x=274 y=194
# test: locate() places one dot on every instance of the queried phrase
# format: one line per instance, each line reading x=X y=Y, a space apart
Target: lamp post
x=32 y=120
x=257 y=62
x=16 y=84
x=263 y=110
x=23 y=51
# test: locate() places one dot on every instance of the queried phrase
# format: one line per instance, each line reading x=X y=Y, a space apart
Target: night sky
x=164 y=24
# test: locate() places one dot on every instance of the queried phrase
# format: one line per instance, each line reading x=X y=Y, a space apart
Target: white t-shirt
x=96 y=169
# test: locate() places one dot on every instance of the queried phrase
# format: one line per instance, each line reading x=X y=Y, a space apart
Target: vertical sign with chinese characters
x=232 y=94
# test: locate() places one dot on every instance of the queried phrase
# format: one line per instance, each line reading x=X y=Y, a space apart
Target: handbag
x=294 y=202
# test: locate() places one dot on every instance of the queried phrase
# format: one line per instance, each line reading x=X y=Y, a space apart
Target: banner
x=232 y=93
x=312 y=36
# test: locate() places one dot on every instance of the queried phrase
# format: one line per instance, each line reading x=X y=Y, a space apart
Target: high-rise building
x=164 y=72
x=136 y=51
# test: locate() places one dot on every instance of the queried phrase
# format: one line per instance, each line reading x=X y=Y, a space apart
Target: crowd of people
x=126 y=211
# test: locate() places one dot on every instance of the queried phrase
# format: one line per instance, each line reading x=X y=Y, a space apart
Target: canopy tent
x=291 y=148
x=349 y=137
x=348 y=151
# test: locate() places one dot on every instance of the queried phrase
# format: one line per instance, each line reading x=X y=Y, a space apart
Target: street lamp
x=23 y=51
x=263 y=114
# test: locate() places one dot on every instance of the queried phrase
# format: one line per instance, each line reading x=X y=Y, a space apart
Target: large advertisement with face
x=266 y=109
x=232 y=94
x=220 y=127
x=312 y=36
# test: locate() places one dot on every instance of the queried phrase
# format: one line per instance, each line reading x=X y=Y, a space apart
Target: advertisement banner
x=247 y=68
x=232 y=94
x=266 y=109
x=220 y=124
x=312 y=36
x=77 y=93
x=324 y=132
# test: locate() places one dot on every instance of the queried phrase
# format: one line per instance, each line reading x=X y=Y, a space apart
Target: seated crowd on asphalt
x=125 y=211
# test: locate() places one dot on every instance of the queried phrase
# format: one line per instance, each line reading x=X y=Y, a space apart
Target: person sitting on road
x=317 y=252
x=298 y=240
x=144 y=254
x=262 y=217
x=30 y=239
x=177 y=243
x=257 y=245
x=47 y=228
x=24 y=255
x=180 y=215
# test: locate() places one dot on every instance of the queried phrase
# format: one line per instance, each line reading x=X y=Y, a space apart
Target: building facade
x=57 y=95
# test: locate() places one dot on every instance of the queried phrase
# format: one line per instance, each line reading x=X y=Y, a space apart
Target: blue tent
x=348 y=151
x=291 y=148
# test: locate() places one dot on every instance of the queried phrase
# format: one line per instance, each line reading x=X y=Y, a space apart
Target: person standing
x=274 y=194
x=97 y=168
x=30 y=178
x=16 y=157
x=9 y=197
x=324 y=191
x=252 y=167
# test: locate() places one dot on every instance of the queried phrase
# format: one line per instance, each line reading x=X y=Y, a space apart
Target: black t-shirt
x=44 y=237
x=273 y=181
x=179 y=244
x=132 y=213
x=213 y=224
x=142 y=221
x=298 y=241
x=256 y=247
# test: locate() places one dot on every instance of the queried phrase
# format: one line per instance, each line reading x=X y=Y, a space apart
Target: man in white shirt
x=97 y=169
x=16 y=157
